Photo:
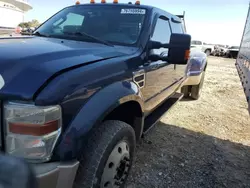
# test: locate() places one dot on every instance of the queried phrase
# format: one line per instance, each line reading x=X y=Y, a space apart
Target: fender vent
x=139 y=78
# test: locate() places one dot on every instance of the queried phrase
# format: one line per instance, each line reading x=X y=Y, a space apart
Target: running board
x=156 y=116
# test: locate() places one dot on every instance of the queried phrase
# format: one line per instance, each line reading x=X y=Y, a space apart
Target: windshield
x=114 y=24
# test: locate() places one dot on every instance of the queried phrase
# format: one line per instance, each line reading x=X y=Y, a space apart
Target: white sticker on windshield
x=1 y=82
x=133 y=11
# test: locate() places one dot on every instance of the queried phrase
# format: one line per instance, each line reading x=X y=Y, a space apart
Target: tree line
x=33 y=23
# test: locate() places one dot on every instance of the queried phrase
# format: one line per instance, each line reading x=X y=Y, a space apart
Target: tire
x=208 y=52
x=185 y=91
x=196 y=89
x=229 y=55
x=109 y=150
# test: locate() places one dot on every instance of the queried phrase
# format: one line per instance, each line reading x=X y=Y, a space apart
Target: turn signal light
x=115 y=1
x=137 y=2
x=103 y=1
x=92 y=1
x=78 y=3
x=187 y=54
x=32 y=129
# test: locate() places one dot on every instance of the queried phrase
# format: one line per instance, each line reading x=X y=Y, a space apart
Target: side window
x=176 y=27
x=162 y=31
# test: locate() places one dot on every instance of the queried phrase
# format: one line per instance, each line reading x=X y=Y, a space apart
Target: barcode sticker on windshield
x=133 y=11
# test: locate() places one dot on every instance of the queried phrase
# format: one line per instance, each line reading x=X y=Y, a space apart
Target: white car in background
x=206 y=48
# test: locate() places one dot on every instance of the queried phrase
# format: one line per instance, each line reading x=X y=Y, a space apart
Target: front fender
x=92 y=113
x=196 y=66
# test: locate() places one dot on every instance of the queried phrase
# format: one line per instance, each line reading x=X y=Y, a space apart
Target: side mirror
x=179 y=49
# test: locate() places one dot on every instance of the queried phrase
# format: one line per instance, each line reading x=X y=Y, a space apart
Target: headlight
x=31 y=131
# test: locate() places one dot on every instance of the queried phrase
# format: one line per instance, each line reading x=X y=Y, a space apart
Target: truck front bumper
x=56 y=175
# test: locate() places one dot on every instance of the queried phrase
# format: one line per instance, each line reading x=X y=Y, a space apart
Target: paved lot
x=204 y=143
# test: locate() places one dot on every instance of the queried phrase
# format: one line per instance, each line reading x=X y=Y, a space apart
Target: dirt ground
x=204 y=143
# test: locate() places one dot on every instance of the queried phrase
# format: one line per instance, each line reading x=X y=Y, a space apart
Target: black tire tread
x=185 y=91
x=94 y=150
x=195 y=90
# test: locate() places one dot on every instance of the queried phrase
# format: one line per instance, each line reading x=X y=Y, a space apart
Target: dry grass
x=204 y=143
x=222 y=109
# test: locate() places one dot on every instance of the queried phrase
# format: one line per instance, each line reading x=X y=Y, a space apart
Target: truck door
x=159 y=74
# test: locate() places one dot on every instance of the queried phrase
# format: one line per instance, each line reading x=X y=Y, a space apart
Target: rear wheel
x=107 y=157
x=185 y=91
x=229 y=55
x=196 y=89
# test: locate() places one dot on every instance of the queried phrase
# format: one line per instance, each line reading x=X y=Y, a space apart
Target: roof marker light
x=103 y=1
x=115 y=1
x=78 y=3
x=92 y=1
x=137 y=2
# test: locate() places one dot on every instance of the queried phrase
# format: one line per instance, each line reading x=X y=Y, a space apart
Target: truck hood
x=27 y=63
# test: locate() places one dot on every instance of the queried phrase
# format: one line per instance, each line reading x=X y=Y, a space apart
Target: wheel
x=196 y=89
x=229 y=55
x=208 y=52
x=107 y=157
x=185 y=91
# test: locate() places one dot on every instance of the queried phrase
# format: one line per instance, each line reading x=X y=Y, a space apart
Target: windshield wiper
x=94 y=39
x=37 y=33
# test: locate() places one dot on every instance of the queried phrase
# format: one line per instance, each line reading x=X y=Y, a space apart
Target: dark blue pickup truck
x=78 y=94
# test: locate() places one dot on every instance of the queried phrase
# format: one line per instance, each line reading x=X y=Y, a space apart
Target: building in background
x=11 y=14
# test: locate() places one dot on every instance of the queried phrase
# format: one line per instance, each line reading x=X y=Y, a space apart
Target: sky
x=212 y=21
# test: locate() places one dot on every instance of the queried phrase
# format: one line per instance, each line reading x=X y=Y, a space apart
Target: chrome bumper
x=55 y=175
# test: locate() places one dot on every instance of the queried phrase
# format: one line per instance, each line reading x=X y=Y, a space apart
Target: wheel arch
x=131 y=113
x=104 y=105
x=196 y=66
x=197 y=63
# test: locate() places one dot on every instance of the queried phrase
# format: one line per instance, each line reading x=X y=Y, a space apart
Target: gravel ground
x=204 y=143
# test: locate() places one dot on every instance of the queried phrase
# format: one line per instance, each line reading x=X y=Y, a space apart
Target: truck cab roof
x=151 y=9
